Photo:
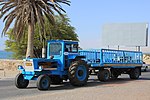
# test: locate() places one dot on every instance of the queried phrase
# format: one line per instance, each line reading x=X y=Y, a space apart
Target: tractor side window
x=55 y=48
x=68 y=48
x=75 y=48
x=71 y=48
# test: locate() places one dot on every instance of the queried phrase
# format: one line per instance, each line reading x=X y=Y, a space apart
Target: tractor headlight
x=20 y=67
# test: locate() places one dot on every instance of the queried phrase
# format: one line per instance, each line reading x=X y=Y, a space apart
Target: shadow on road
x=144 y=78
x=92 y=83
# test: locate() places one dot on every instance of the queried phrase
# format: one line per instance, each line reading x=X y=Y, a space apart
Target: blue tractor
x=63 y=62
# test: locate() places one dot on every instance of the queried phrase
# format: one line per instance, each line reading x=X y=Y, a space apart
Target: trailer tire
x=20 y=82
x=135 y=73
x=43 y=82
x=103 y=75
x=78 y=73
x=55 y=80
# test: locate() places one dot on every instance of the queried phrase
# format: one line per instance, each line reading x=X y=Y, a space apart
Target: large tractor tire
x=103 y=75
x=43 y=82
x=56 y=80
x=135 y=73
x=20 y=82
x=78 y=73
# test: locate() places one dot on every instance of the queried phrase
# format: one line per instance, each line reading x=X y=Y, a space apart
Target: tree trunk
x=29 y=52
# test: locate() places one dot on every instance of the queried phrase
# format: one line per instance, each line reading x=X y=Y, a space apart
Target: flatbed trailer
x=107 y=63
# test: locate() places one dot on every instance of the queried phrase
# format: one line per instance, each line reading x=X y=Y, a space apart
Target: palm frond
x=22 y=12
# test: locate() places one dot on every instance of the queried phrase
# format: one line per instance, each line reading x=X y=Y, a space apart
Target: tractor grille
x=28 y=66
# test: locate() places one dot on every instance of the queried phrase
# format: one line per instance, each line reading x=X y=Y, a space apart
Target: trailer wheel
x=103 y=75
x=135 y=73
x=43 y=82
x=78 y=73
x=55 y=80
x=20 y=82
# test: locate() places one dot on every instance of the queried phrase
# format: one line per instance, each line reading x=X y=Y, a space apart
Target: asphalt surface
x=8 y=91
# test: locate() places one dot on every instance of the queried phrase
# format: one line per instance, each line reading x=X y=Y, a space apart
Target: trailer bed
x=112 y=58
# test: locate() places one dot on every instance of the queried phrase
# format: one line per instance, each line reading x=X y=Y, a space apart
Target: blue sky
x=89 y=16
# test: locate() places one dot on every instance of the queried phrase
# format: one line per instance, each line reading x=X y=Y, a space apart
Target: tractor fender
x=79 y=57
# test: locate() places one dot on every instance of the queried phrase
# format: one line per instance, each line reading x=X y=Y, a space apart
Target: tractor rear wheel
x=20 y=82
x=43 y=82
x=78 y=73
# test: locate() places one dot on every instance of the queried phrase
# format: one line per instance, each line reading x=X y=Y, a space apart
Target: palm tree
x=28 y=13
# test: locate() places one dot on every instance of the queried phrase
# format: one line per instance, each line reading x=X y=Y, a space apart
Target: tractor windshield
x=55 y=48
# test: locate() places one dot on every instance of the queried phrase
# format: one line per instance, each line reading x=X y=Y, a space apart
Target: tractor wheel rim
x=81 y=73
x=45 y=83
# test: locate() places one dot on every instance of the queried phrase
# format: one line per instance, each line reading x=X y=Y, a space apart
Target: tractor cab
x=63 y=50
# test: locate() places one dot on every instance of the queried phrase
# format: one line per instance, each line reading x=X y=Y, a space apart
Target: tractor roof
x=65 y=41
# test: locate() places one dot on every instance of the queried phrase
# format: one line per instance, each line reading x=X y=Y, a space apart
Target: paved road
x=94 y=90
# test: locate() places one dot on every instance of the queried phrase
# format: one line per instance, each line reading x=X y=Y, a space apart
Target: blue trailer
x=107 y=63
x=64 y=61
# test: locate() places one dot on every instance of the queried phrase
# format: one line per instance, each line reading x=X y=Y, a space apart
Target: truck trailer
x=65 y=62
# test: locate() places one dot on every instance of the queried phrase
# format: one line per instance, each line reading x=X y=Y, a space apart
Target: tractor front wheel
x=20 y=82
x=43 y=82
